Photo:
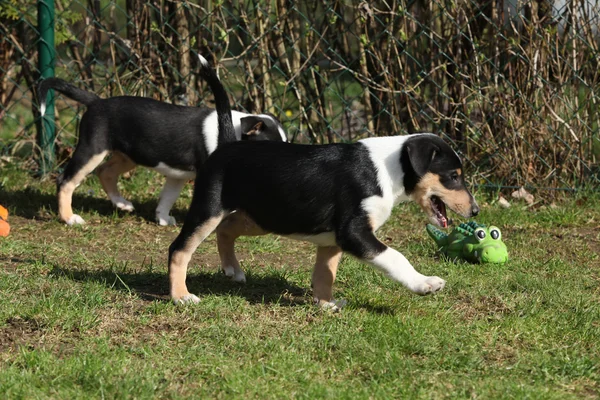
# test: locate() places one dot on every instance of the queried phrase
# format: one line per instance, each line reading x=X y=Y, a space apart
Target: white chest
x=378 y=209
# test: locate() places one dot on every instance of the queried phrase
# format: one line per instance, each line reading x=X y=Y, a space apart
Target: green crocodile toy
x=472 y=242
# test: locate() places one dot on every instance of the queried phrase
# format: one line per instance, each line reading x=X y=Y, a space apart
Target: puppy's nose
x=474 y=210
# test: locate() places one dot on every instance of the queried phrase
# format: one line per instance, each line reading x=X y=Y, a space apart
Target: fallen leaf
x=523 y=194
x=503 y=202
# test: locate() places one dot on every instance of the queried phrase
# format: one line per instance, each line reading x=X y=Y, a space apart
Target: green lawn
x=85 y=312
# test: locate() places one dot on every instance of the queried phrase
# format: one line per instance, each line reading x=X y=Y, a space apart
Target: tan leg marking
x=235 y=225
x=324 y=273
x=109 y=172
x=65 y=194
x=181 y=258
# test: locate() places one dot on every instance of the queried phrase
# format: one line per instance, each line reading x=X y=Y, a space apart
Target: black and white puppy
x=173 y=140
x=335 y=196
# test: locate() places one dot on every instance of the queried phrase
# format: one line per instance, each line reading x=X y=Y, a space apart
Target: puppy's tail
x=226 y=129
x=65 y=88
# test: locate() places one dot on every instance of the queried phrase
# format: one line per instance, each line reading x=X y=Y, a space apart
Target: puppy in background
x=173 y=140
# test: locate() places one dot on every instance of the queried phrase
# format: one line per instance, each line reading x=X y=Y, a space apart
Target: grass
x=86 y=313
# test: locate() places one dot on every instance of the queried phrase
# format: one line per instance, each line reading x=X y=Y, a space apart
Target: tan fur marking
x=328 y=259
x=235 y=225
x=180 y=259
x=65 y=194
x=109 y=172
x=458 y=201
x=372 y=224
x=255 y=129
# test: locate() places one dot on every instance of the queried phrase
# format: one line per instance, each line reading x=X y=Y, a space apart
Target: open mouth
x=439 y=211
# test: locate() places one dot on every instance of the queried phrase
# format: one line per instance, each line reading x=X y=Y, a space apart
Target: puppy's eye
x=454 y=177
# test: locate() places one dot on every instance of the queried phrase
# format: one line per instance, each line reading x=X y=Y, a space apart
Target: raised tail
x=436 y=234
x=65 y=88
x=226 y=129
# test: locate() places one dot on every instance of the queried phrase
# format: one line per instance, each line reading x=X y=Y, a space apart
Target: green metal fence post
x=46 y=54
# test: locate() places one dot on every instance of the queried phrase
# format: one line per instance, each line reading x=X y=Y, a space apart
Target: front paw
x=429 y=285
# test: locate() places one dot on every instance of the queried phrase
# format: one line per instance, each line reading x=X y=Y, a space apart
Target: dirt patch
x=574 y=244
x=20 y=332
x=591 y=235
x=482 y=307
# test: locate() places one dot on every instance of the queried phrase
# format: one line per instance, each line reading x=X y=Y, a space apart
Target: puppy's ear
x=421 y=154
x=251 y=127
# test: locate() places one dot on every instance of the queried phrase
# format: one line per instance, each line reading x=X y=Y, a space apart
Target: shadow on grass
x=152 y=286
x=259 y=289
x=29 y=202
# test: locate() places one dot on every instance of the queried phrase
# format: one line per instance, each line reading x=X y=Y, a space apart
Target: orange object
x=3 y=213
x=4 y=228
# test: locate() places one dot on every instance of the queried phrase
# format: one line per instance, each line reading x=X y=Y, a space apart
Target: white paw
x=75 y=220
x=430 y=284
x=187 y=299
x=236 y=277
x=124 y=205
x=240 y=277
x=333 y=305
x=165 y=221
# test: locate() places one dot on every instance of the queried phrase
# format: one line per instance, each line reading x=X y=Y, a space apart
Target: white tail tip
x=203 y=61
x=43 y=109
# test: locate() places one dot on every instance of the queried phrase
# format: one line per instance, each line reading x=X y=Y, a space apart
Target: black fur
x=422 y=154
x=226 y=129
x=81 y=96
x=146 y=130
x=290 y=190
x=306 y=176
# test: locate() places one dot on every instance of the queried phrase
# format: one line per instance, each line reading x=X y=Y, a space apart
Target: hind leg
x=168 y=197
x=193 y=233
x=235 y=225
x=204 y=216
x=328 y=259
x=109 y=172
x=83 y=162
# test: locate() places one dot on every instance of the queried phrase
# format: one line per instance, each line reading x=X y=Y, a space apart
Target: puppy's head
x=433 y=177
x=262 y=127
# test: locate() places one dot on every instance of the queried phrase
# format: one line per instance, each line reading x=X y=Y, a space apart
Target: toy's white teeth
x=475 y=253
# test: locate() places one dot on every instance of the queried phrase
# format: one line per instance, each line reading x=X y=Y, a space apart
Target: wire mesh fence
x=512 y=84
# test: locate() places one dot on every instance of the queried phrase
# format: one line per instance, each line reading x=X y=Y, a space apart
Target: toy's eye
x=480 y=234
x=495 y=233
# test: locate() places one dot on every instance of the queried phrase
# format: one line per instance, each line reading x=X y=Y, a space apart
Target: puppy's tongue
x=440 y=211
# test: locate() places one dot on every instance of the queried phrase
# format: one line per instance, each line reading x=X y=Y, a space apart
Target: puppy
x=335 y=196
x=173 y=140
